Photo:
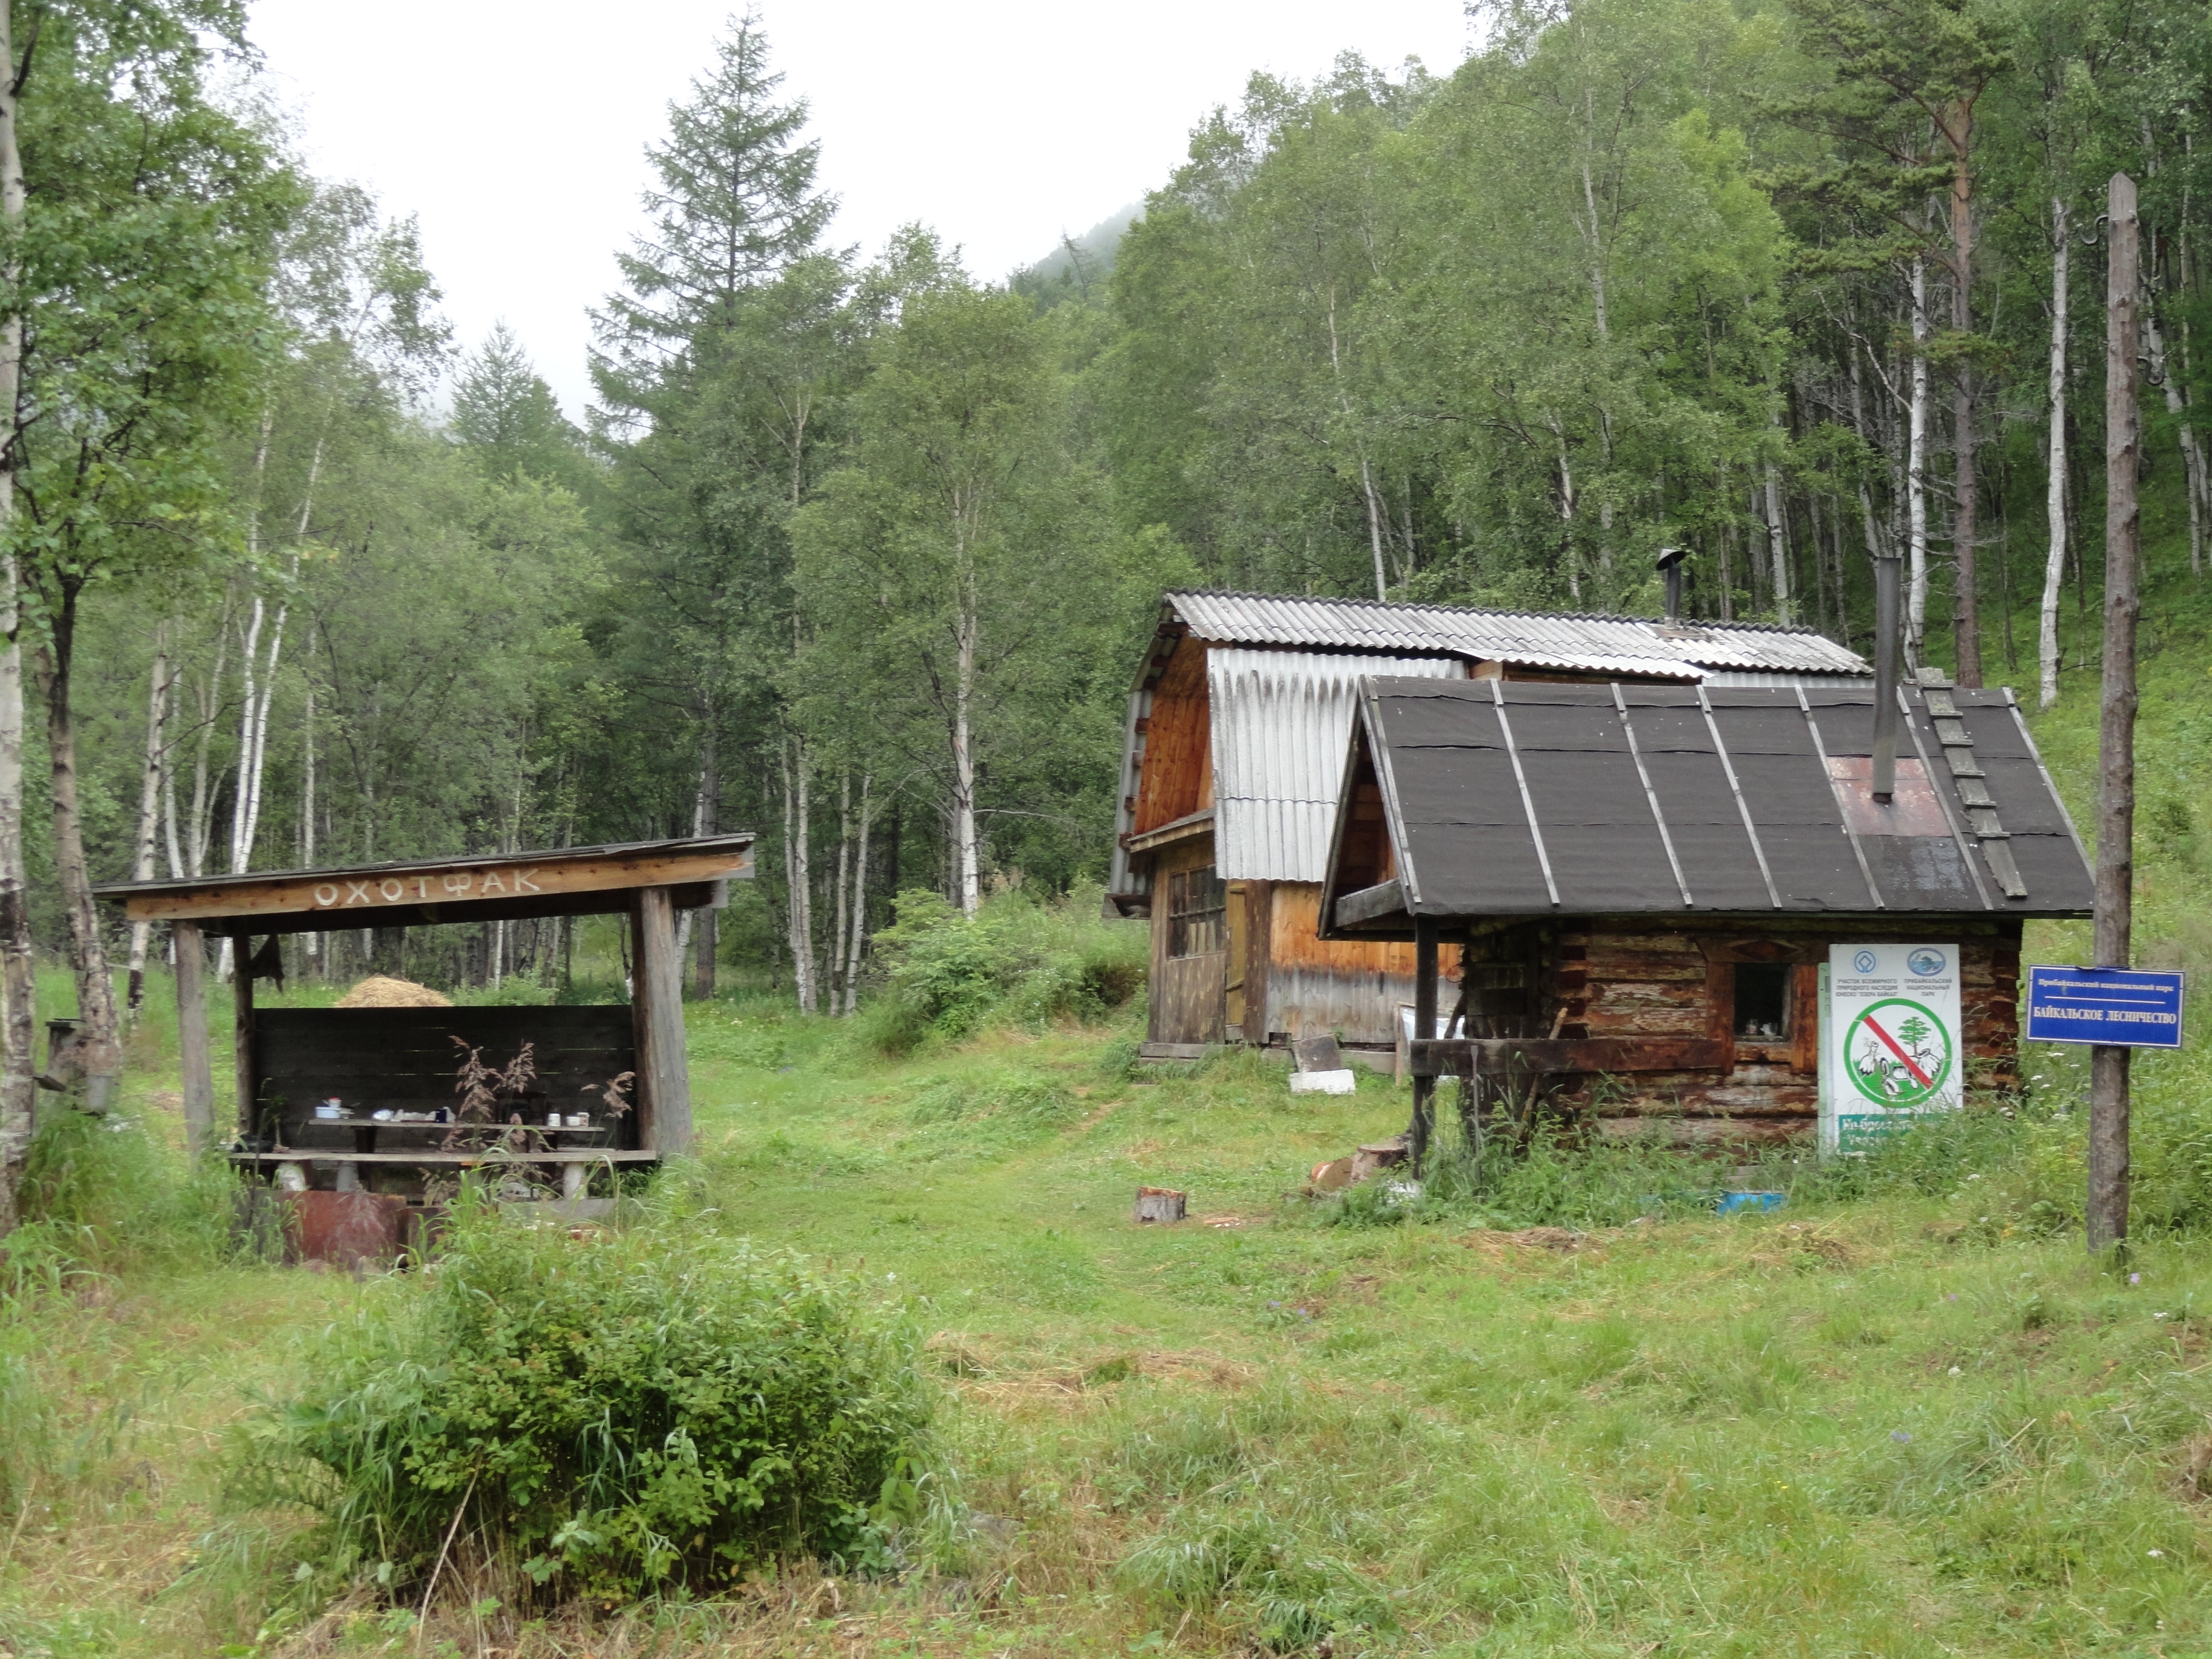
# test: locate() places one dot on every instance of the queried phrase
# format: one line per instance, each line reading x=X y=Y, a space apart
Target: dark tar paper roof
x=1507 y=797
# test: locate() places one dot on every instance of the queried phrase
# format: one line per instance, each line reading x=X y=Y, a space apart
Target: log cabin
x=1233 y=757
x=1646 y=882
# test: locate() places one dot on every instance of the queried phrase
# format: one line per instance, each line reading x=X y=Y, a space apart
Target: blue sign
x=2122 y=1007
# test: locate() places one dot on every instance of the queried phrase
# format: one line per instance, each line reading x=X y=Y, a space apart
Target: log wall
x=1638 y=978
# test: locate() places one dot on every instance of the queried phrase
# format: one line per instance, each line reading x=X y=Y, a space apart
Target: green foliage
x=615 y=1415
x=945 y=976
x=1259 y=1567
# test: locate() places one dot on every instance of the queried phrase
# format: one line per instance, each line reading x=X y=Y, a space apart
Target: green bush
x=608 y=1415
x=944 y=976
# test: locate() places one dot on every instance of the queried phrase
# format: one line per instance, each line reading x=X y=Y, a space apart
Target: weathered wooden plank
x=1688 y=1022
x=357 y=896
x=1445 y=1057
x=1386 y=898
x=663 y=1071
x=1708 y=1131
x=242 y=1043
x=1649 y=970
x=193 y=1059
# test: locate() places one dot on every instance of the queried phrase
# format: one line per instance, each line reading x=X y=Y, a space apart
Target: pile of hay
x=381 y=991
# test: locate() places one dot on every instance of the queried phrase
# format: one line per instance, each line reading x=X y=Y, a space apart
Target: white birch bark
x=2192 y=456
x=963 y=757
x=149 y=813
x=1916 y=475
x=859 y=934
x=798 y=872
x=1366 y=473
x=838 y=887
x=1869 y=526
x=684 y=919
x=17 y=995
x=1778 y=545
x=2054 y=565
x=311 y=942
x=199 y=828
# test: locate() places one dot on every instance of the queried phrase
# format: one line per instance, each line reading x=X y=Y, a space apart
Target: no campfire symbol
x=1898 y=1053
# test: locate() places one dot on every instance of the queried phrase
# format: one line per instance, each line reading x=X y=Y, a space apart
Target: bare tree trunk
x=98 y=1030
x=705 y=822
x=150 y=812
x=685 y=920
x=1566 y=510
x=1967 y=600
x=253 y=730
x=1869 y=523
x=1916 y=475
x=18 y=996
x=311 y=943
x=199 y=828
x=798 y=872
x=1366 y=473
x=836 y=1004
x=2109 y=1152
x=2054 y=566
x=967 y=628
x=2192 y=454
x=859 y=934
x=1723 y=576
x=1778 y=545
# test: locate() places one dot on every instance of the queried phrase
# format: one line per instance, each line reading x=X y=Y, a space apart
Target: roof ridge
x=1802 y=628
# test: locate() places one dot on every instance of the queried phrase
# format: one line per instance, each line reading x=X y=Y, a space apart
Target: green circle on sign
x=1898 y=1052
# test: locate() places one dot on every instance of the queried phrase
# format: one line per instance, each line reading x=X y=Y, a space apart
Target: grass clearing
x=1869 y=1424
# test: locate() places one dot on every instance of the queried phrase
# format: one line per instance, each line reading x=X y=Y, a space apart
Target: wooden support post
x=2116 y=793
x=241 y=984
x=192 y=1036
x=664 y=1076
x=1425 y=1029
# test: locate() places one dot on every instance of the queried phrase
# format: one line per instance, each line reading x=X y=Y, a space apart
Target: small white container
x=579 y=1120
x=552 y=1119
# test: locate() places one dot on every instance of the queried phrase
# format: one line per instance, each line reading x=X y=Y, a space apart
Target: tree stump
x=1159 y=1204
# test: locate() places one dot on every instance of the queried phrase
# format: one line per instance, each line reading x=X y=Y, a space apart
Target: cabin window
x=1762 y=1000
x=1198 y=910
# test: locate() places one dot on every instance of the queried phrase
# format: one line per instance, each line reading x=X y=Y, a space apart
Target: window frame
x=1197 y=913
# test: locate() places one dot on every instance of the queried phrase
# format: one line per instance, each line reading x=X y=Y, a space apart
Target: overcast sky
x=515 y=128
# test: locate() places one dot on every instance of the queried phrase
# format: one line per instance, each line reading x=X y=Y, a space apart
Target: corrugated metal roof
x=1511 y=799
x=1282 y=726
x=1627 y=645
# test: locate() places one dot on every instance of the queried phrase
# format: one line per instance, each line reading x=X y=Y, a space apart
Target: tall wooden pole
x=1425 y=1027
x=2116 y=782
x=241 y=986
x=193 y=1037
x=658 y=1004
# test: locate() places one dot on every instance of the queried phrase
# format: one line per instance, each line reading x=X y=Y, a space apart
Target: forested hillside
x=857 y=546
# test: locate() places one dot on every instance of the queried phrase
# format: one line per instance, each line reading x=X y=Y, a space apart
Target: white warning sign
x=1891 y=1043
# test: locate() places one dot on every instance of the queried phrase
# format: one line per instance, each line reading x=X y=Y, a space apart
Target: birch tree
x=947 y=549
x=149 y=222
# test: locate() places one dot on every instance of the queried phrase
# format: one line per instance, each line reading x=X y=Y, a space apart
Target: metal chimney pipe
x=1670 y=565
x=1886 y=628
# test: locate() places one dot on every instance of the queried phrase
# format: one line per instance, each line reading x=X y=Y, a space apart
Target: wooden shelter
x=1644 y=880
x=392 y=1070
x=1234 y=754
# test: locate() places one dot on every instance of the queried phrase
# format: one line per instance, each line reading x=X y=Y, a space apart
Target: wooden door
x=1191 y=957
